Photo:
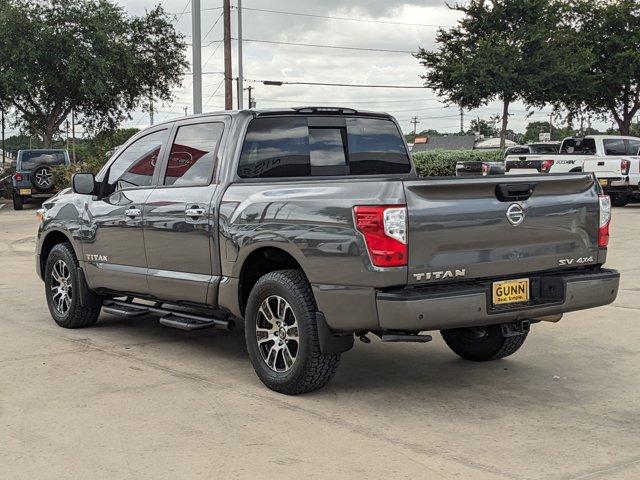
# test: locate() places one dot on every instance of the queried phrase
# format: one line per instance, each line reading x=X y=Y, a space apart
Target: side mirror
x=84 y=183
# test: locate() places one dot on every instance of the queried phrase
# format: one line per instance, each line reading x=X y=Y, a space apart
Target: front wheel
x=63 y=284
x=480 y=344
x=282 y=335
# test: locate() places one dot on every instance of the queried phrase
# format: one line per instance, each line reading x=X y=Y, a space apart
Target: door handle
x=195 y=212
x=133 y=212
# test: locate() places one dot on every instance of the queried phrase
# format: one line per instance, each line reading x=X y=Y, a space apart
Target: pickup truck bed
x=314 y=228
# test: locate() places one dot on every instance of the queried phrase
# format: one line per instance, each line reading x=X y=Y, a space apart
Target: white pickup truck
x=613 y=159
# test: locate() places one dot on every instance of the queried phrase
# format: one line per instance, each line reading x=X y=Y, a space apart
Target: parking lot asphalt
x=134 y=399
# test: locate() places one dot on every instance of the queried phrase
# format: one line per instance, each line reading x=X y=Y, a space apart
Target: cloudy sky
x=408 y=26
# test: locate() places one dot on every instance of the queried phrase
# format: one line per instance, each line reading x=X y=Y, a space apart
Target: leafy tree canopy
x=87 y=56
x=610 y=33
x=495 y=51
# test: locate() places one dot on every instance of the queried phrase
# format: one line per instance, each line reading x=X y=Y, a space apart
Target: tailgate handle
x=514 y=192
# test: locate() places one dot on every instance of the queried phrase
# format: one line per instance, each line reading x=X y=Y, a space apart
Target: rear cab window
x=298 y=146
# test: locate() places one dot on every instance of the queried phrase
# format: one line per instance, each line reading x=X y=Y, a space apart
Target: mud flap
x=330 y=342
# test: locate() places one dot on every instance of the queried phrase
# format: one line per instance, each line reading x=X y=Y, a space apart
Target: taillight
x=546 y=166
x=624 y=166
x=385 y=232
x=605 y=220
x=18 y=177
x=486 y=168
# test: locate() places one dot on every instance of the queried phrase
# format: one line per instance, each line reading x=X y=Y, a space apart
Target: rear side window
x=632 y=147
x=615 y=146
x=192 y=156
x=300 y=146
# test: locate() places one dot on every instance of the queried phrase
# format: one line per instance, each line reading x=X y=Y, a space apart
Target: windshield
x=30 y=160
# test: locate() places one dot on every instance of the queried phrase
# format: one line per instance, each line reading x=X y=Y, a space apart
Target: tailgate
x=605 y=170
x=523 y=164
x=458 y=227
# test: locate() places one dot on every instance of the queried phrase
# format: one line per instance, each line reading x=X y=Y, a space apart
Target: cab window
x=134 y=167
x=192 y=155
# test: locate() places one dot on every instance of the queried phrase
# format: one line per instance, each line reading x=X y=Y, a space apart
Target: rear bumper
x=467 y=305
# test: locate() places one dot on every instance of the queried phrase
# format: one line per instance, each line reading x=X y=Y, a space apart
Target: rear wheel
x=63 y=284
x=619 y=199
x=18 y=202
x=480 y=344
x=282 y=336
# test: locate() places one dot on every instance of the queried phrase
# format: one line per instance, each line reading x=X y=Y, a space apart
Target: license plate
x=511 y=291
x=604 y=182
x=25 y=191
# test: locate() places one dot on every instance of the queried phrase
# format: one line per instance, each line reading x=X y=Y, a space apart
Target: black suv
x=33 y=177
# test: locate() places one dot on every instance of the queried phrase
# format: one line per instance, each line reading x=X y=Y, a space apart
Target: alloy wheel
x=277 y=334
x=44 y=178
x=61 y=287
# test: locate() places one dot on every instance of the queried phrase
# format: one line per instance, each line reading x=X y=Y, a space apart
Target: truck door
x=181 y=245
x=112 y=239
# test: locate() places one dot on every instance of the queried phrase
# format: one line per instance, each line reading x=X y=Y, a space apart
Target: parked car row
x=614 y=160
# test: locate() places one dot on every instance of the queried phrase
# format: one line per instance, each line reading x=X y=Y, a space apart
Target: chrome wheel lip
x=277 y=334
x=61 y=287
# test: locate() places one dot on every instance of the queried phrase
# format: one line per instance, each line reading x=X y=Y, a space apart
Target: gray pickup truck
x=311 y=228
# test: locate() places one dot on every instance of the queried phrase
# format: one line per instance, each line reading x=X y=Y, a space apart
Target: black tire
x=480 y=344
x=619 y=200
x=42 y=178
x=18 y=202
x=311 y=369
x=75 y=315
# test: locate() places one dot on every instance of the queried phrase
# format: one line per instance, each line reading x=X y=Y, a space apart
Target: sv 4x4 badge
x=571 y=261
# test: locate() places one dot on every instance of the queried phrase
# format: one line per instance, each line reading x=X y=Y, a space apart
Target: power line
x=338 y=47
x=187 y=6
x=212 y=26
x=279 y=83
x=388 y=22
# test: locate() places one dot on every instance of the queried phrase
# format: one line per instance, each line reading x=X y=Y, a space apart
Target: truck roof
x=304 y=110
x=605 y=137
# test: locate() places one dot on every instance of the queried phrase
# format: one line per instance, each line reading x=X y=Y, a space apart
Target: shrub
x=6 y=184
x=62 y=175
x=441 y=163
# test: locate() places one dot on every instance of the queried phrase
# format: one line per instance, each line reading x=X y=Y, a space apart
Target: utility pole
x=415 y=122
x=240 y=79
x=228 y=82
x=196 y=63
x=252 y=103
x=550 y=126
x=461 y=120
x=185 y=111
x=151 y=110
x=73 y=135
x=67 y=130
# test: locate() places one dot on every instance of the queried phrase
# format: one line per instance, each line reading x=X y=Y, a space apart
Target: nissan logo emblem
x=515 y=214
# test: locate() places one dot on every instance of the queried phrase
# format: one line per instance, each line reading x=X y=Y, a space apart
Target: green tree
x=483 y=127
x=500 y=49
x=610 y=31
x=534 y=129
x=85 y=56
